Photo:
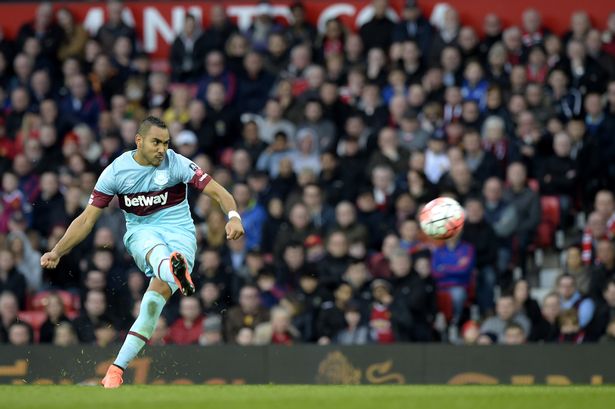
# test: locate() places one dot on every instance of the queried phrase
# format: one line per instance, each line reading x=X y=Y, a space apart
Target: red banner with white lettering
x=158 y=22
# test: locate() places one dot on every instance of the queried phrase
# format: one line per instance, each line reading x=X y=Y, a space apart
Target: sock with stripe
x=142 y=329
x=159 y=261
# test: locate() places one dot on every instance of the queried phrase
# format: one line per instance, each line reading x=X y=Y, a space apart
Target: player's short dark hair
x=148 y=123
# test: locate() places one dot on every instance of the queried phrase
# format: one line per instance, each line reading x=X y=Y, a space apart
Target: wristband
x=232 y=214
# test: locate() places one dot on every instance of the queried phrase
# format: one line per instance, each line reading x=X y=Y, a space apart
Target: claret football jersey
x=149 y=195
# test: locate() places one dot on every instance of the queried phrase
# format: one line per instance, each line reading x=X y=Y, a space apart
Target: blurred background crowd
x=330 y=142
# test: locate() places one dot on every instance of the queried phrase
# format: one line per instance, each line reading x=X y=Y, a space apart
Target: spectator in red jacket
x=188 y=327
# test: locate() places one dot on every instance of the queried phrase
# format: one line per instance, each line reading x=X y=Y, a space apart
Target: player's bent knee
x=160 y=287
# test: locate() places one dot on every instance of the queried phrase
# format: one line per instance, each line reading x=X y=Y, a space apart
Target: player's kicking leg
x=171 y=271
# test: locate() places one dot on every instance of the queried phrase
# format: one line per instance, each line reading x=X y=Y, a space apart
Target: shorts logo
x=143 y=200
x=161 y=177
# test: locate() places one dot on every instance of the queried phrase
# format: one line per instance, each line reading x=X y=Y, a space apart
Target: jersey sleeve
x=190 y=173
x=105 y=189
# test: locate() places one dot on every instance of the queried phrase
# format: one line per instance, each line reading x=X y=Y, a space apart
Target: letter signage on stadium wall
x=310 y=364
x=157 y=22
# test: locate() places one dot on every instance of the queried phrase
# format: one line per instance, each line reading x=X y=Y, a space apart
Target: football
x=442 y=218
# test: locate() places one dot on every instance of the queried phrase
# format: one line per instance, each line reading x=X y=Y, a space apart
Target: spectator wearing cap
x=187 y=143
x=389 y=320
x=413 y=26
x=212 y=331
x=304 y=156
x=314 y=249
x=262 y=26
x=355 y=333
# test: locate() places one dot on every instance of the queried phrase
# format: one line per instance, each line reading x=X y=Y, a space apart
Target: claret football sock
x=142 y=329
x=159 y=260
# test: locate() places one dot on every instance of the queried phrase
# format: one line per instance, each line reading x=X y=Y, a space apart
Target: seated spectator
x=65 y=335
x=9 y=308
x=594 y=232
x=336 y=259
x=54 y=307
x=382 y=318
x=524 y=302
x=245 y=337
x=546 y=329
x=574 y=266
x=20 y=334
x=470 y=331
x=212 y=331
x=248 y=313
x=11 y=279
x=94 y=312
x=514 y=334
x=559 y=175
x=453 y=267
x=355 y=332
x=570 y=332
x=604 y=203
x=331 y=319
x=436 y=161
x=605 y=270
x=505 y=314
x=278 y=331
x=270 y=292
x=609 y=337
x=422 y=297
x=105 y=333
x=605 y=312
x=572 y=299
x=187 y=328
x=527 y=204
x=480 y=234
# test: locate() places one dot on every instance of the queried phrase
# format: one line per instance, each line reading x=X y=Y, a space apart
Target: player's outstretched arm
x=234 y=228
x=76 y=232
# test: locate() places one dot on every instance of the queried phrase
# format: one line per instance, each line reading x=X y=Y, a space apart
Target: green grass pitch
x=303 y=397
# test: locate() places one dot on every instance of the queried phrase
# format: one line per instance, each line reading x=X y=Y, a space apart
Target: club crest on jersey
x=161 y=177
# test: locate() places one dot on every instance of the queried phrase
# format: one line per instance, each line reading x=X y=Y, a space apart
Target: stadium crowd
x=330 y=142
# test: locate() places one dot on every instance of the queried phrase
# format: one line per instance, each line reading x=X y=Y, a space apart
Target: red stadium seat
x=445 y=304
x=35 y=319
x=550 y=210
x=549 y=221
